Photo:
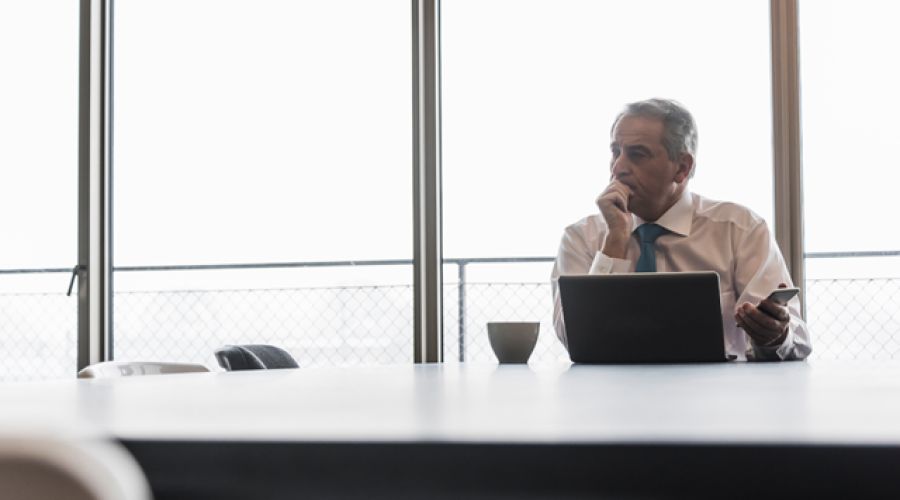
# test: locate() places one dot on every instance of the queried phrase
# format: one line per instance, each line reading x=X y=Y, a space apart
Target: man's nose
x=619 y=166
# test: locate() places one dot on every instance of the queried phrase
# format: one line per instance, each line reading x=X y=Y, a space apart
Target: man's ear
x=685 y=166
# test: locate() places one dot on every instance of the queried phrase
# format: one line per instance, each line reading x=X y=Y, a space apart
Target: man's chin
x=639 y=210
x=634 y=204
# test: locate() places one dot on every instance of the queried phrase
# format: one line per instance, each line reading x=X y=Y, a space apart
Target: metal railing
x=850 y=319
x=463 y=324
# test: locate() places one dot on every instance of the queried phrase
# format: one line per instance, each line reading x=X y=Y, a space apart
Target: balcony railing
x=368 y=325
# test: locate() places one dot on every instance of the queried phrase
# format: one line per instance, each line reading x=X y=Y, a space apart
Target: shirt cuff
x=604 y=264
x=778 y=353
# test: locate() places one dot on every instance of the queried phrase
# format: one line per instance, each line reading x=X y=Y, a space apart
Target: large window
x=849 y=78
x=262 y=156
x=256 y=145
x=530 y=90
x=38 y=188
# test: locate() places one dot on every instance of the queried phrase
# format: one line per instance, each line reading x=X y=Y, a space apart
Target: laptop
x=644 y=318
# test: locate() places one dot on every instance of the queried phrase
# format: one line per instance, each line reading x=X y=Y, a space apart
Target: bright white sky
x=282 y=132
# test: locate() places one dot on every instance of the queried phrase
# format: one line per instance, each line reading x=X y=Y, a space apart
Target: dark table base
x=261 y=471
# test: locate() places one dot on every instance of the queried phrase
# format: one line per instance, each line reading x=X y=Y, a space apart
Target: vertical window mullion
x=93 y=183
x=787 y=166
x=427 y=279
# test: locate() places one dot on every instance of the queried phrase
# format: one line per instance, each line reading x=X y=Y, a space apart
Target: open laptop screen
x=643 y=317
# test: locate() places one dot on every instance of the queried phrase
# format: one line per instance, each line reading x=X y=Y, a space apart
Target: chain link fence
x=38 y=335
x=344 y=326
x=852 y=319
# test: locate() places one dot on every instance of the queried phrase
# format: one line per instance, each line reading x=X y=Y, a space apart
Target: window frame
x=95 y=170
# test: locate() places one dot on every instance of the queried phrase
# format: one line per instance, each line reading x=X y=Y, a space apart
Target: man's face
x=641 y=162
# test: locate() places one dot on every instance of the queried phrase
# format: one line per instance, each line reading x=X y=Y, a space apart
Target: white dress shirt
x=701 y=235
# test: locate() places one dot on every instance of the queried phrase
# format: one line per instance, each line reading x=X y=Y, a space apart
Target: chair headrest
x=254 y=357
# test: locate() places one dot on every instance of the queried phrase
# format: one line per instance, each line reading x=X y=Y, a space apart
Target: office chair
x=36 y=467
x=254 y=357
x=109 y=369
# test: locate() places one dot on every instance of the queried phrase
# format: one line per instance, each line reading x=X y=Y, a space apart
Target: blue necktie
x=647 y=261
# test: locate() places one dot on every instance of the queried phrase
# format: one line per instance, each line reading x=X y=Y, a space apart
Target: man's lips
x=620 y=181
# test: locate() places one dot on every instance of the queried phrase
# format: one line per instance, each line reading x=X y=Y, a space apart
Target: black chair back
x=254 y=357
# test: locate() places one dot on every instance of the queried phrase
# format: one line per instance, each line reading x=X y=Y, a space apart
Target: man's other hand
x=767 y=324
x=613 y=205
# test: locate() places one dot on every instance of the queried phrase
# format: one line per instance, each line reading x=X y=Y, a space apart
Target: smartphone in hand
x=781 y=296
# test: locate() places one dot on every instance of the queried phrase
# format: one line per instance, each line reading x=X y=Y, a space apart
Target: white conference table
x=736 y=430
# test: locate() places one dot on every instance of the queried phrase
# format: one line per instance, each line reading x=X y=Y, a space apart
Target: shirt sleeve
x=759 y=268
x=574 y=257
x=579 y=254
x=604 y=264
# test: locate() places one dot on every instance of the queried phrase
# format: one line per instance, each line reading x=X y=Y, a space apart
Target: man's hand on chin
x=613 y=205
x=767 y=324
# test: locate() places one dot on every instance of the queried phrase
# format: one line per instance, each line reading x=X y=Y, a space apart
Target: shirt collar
x=676 y=220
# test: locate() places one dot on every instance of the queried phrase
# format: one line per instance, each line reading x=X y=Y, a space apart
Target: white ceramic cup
x=513 y=342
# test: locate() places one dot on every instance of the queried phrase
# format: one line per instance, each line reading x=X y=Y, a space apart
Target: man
x=654 y=143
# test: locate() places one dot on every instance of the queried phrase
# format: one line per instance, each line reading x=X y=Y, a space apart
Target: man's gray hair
x=679 y=128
